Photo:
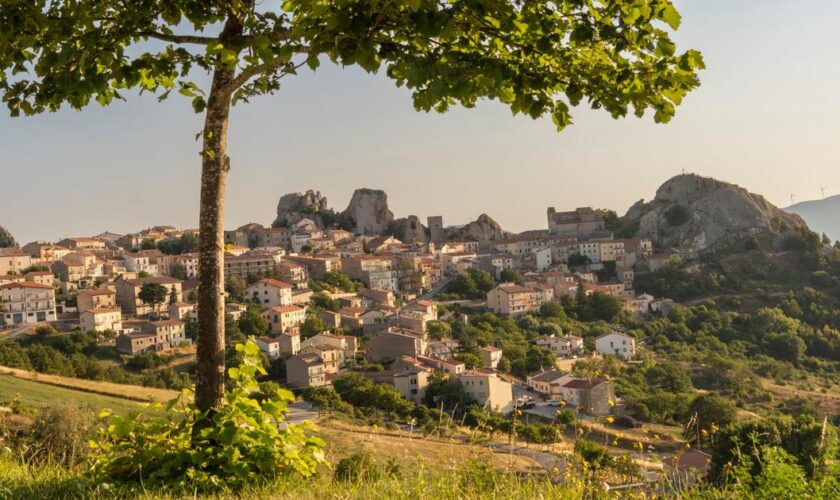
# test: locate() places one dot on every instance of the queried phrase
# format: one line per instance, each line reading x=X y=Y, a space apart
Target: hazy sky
x=766 y=117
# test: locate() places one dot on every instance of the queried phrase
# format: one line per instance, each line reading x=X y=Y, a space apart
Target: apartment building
x=26 y=302
x=510 y=299
x=270 y=293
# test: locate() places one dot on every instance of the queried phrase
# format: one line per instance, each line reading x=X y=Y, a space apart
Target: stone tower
x=435 y=224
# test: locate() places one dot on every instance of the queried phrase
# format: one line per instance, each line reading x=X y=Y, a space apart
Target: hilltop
x=704 y=213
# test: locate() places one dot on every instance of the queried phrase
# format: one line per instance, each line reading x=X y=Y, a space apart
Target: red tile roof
x=26 y=284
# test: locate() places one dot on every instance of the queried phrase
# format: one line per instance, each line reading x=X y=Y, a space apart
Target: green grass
x=468 y=482
x=36 y=394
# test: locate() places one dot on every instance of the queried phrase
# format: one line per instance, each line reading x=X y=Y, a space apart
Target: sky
x=765 y=117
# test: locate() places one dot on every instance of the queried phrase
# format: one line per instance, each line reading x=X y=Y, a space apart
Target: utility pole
x=822 y=193
x=792 y=197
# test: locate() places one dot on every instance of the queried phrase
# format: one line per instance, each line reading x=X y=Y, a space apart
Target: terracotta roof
x=285 y=309
x=580 y=383
x=165 y=322
x=160 y=280
x=324 y=347
x=98 y=291
x=490 y=349
x=26 y=284
x=268 y=340
x=275 y=283
x=103 y=310
x=39 y=273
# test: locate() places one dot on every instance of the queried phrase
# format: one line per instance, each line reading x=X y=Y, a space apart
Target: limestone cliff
x=409 y=230
x=690 y=210
x=368 y=212
x=482 y=229
x=293 y=207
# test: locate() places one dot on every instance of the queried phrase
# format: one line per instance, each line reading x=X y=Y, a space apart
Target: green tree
x=536 y=57
x=153 y=294
x=509 y=275
x=252 y=323
x=707 y=413
x=553 y=309
x=313 y=325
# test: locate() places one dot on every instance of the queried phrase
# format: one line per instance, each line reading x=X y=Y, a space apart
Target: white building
x=566 y=346
x=100 y=320
x=26 y=302
x=270 y=293
x=616 y=344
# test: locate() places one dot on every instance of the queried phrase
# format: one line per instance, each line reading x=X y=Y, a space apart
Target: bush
x=228 y=449
x=61 y=434
x=677 y=215
x=361 y=466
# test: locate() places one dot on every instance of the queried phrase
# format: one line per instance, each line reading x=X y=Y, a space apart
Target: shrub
x=61 y=434
x=225 y=449
x=361 y=466
x=677 y=215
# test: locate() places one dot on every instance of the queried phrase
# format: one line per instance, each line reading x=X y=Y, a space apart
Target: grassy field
x=36 y=394
x=344 y=439
x=132 y=392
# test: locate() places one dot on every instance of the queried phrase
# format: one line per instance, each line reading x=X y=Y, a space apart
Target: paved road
x=15 y=332
x=301 y=411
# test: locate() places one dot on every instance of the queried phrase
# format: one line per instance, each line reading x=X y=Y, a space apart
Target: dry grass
x=828 y=401
x=344 y=439
x=133 y=392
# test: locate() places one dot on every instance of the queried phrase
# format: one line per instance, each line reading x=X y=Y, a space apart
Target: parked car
x=554 y=402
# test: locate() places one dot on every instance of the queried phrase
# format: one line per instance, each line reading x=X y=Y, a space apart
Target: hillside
x=38 y=390
x=822 y=216
x=705 y=213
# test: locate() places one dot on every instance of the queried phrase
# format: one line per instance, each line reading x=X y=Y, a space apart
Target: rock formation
x=293 y=207
x=6 y=239
x=482 y=229
x=409 y=230
x=368 y=212
x=703 y=212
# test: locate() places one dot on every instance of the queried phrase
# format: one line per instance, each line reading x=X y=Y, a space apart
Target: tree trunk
x=210 y=373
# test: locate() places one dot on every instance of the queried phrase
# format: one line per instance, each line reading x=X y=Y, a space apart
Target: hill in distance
x=822 y=216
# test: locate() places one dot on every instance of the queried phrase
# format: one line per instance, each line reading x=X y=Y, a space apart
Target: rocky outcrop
x=368 y=212
x=409 y=230
x=482 y=229
x=6 y=239
x=293 y=207
x=701 y=212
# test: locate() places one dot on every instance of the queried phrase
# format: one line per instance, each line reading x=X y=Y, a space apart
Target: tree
x=153 y=294
x=537 y=57
x=6 y=239
x=509 y=275
x=707 y=412
x=313 y=325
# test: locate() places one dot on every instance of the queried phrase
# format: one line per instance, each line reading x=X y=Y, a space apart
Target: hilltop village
x=346 y=295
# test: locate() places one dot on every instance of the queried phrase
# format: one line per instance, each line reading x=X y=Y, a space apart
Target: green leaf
x=671 y=16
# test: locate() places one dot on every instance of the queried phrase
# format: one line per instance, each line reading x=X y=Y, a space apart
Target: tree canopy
x=537 y=57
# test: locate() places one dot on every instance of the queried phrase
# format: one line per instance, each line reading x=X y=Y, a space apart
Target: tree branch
x=201 y=40
x=252 y=71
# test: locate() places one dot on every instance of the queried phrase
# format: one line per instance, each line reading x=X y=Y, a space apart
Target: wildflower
x=612 y=403
x=610 y=420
